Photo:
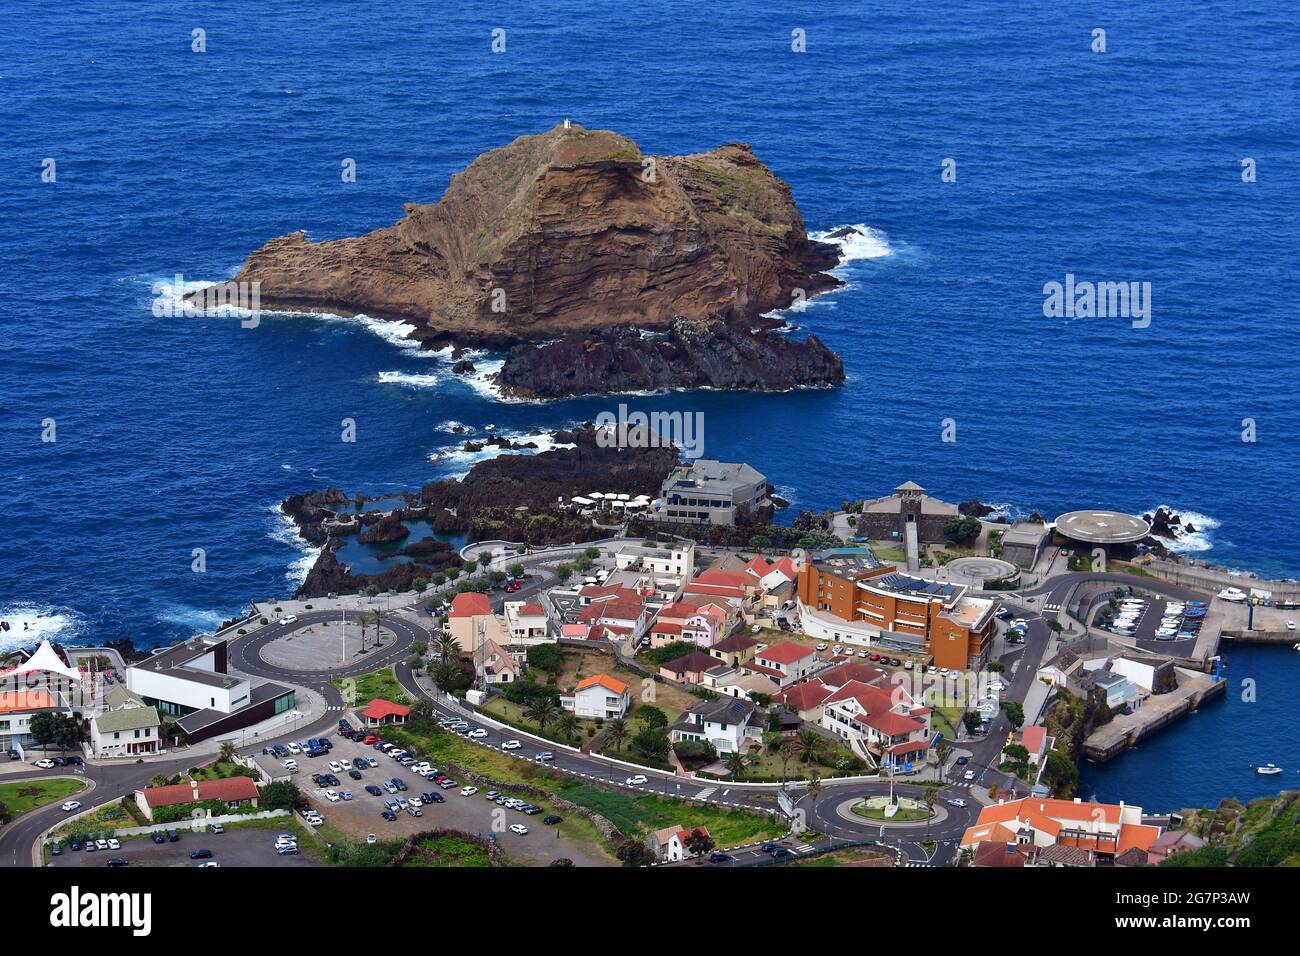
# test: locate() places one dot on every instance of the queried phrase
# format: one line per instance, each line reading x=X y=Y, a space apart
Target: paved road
x=722 y=793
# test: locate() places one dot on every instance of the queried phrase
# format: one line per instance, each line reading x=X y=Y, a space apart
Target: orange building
x=847 y=597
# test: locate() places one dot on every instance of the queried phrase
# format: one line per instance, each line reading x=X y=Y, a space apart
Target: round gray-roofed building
x=1102 y=527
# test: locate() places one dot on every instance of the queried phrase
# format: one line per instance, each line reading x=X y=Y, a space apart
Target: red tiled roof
x=785 y=653
x=379 y=708
x=470 y=604
x=992 y=853
x=841 y=674
x=532 y=609
x=804 y=696
x=228 y=789
x=729 y=579
x=736 y=642
x=614 y=609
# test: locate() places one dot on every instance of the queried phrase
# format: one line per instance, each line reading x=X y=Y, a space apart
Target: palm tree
x=815 y=789
x=377 y=616
x=158 y=780
x=447 y=648
x=932 y=788
x=542 y=712
x=735 y=763
x=226 y=752
x=617 y=731
x=807 y=746
x=567 y=725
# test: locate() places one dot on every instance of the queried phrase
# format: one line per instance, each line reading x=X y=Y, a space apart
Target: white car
x=511 y=745
x=637 y=781
x=101 y=844
x=968 y=775
x=956 y=802
x=997 y=686
x=209 y=864
x=332 y=796
x=293 y=748
x=336 y=767
x=836 y=649
x=113 y=844
x=864 y=654
x=421 y=767
x=518 y=828
x=478 y=734
x=45 y=763
x=290 y=765
x=315 y=820
x=70 y=806
x=468 y=791
x=1290 y=625
x=371 y=838
x=821 y=646
x=289 y=619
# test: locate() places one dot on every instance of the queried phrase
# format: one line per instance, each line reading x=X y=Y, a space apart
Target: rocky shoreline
x=510 y=497
x=651 y=271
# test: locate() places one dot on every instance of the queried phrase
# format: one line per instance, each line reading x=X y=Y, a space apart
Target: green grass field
x=639 y=814
x=448 y=851
x=30 y=794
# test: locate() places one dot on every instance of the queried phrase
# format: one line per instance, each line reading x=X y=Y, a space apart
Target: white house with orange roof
x=669 y=844
x=598 y=696
x=1102 y=830
x=785 y=662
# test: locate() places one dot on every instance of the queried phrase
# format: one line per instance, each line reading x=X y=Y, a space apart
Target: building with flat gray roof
x=707 y=491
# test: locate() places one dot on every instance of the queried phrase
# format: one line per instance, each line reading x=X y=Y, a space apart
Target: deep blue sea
x=182 y=433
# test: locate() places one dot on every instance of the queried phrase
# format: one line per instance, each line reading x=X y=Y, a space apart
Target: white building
x=599 y=696
x=188 y=677
x=727 y=723
x=127 y=728
x=526 y=624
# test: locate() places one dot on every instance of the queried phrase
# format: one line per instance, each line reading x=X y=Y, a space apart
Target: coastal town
x=901 y=682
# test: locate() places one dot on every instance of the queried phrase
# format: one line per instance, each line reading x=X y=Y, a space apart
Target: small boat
x=1295 y=647
x=1268 y=770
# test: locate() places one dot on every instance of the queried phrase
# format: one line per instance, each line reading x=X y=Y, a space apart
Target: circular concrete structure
x=980 y=569
x=1102 y=527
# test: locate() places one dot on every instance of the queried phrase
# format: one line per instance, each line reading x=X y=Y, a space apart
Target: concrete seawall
x=1127 y=731
x=1284 y=638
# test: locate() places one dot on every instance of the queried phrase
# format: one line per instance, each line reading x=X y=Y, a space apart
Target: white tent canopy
x=46 y=660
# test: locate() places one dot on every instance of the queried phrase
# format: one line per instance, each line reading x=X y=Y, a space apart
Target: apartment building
x=707 y=491
x=846 y=596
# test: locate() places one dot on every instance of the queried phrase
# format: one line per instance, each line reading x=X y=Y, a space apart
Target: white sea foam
x=1184 y=542
x=285 y=531
x=196 y=619
x=867 y=242
x=409 y=379
x=461 y=459
x=30 y=623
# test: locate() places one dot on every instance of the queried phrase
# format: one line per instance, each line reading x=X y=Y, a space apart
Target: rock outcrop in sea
x=576 y=233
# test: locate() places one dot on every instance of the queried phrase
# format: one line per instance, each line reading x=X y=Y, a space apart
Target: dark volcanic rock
x=692 y=354
x=975 y=509
x=1164 y=523
x=463 y=367
x=424 y=549
x=386 y=529
x=330 y=576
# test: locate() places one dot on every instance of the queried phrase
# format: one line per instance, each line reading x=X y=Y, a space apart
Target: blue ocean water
x=175 y=434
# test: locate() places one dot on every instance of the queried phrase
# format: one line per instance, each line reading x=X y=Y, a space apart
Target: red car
x=513 y=586
x=372 y=739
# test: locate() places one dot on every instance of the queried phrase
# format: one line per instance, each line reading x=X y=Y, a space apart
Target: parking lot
x=472 y=814
x=238 y=846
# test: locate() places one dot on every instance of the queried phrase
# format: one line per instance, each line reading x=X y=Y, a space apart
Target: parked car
x=468 y=791
x=45 y=763
x=720 y=858
x=287 y=849
x=511 y=745
x=551 y=820
x=373 y=790
x=518 y=828
x=117 y=861
x=636 y=781
x=200 y=854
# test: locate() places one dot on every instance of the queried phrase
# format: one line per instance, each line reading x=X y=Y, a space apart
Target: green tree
x=548 y=658
x=484 y=558
x=54 y=729
x=807 y=745
x=698 y=843
x=617 y=732
x=278 y=796
x=564 y=571
x=758 y=542
x=567 y=725
x=372 y=591
x=651 y=716
x=931 y=794
x=542 y=711
x=420 y=584
x=735 y=764
x=961 y=530
x=592 y=552
x=226 y=752
x=1015 y=712
x=516 y=570
x=447 y=648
